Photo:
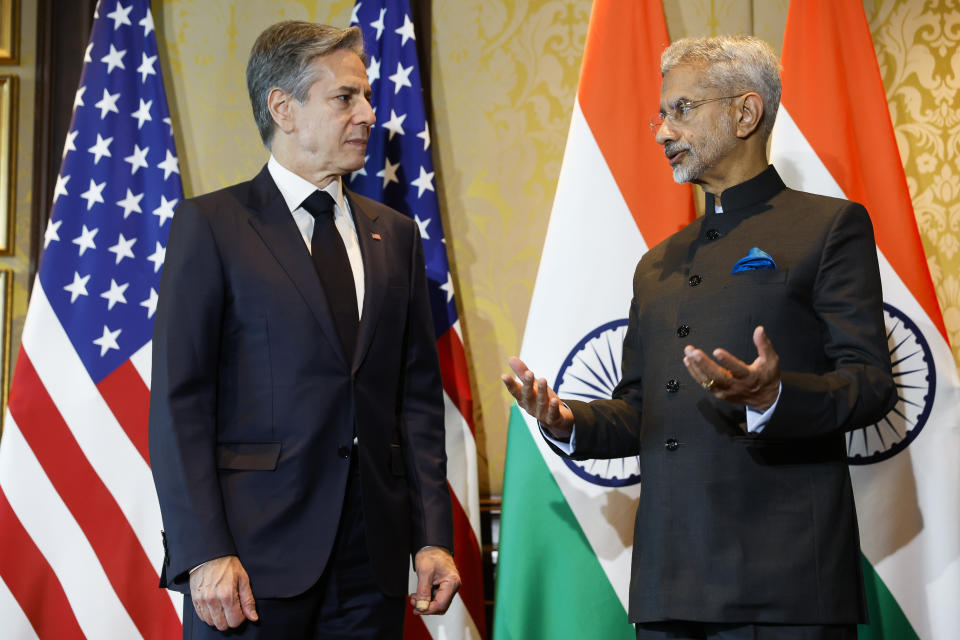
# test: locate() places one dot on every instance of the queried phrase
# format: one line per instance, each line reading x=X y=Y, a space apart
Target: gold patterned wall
x=918 y=48
x=504 y=75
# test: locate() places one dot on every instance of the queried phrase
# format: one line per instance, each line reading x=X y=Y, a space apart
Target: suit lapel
x=273 y=223
x=373 y=250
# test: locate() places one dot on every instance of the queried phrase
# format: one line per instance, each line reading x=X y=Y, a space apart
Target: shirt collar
x=295 y=189
x=757 y=189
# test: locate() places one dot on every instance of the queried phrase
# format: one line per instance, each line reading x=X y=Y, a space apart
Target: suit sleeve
x=423 y=417
x=847 y=299
x=611 y=428
x=183 y=398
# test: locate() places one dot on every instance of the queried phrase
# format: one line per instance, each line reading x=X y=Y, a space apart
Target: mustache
x=672 y=148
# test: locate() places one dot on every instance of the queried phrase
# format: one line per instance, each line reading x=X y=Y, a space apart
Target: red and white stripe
x=79 y=519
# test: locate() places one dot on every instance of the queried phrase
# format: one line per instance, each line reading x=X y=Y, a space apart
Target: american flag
x=399 y=172
x=79 y=522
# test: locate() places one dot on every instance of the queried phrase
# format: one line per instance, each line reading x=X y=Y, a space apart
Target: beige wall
x=504 y=75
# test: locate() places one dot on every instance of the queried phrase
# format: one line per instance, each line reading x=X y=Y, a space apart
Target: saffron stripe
x=129 y=400
x=123 y=559
x=615 y=110
x=856 y=145
x=32 y=581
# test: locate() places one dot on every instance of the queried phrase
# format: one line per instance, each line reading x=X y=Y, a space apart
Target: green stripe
x=887 y=621
x=549 y=582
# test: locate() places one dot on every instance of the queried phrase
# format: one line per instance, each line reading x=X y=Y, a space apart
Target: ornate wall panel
x=918 y=47
x=504 y=79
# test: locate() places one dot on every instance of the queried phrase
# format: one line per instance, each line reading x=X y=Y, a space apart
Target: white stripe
x=462 y=463
x=142 y=360
x=796 y=161
x=101 y=438
x=907 y=505
x=58 y=537
x=589 y=255
x=16 y=626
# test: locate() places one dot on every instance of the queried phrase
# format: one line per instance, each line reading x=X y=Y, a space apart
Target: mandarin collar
x=757 y=189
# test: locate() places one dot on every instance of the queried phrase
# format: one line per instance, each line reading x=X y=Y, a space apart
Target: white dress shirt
x=295 y=190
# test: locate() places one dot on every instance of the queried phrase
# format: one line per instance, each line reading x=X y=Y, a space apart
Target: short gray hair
x=735 y=64
x=281 y=59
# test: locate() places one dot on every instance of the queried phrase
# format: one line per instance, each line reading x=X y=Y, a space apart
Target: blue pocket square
x=756 y=259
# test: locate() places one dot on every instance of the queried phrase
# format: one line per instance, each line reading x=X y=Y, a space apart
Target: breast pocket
x=757 y=277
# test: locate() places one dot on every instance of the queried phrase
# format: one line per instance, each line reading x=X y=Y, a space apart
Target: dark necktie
x=333 y=266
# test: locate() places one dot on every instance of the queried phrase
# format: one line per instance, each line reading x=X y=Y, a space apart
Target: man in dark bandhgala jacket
x=755 y=340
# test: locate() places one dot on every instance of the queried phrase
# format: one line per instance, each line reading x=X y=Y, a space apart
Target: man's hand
x=539 y=400
x=221 y=594
x=435 y=568
x=755 y=385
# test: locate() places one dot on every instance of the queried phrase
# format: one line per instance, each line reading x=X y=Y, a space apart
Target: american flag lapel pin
x=376 y=236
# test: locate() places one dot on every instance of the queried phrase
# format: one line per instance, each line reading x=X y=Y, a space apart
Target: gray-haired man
x=746 y=526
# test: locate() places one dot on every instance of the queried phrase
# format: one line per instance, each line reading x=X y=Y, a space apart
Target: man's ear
x=280 y=105
x=749 y=115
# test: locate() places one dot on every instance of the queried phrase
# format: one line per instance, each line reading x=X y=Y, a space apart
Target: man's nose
x=665 y=132
x=365 y=114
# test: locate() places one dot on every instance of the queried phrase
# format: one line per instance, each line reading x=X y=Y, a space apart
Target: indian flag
x=567 y=528
x=833 y=136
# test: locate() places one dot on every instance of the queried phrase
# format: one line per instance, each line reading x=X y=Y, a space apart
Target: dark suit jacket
x=253 y=404
x=734 y=527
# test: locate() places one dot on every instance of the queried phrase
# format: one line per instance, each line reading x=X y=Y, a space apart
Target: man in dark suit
x=296 y=418
x=746 y=526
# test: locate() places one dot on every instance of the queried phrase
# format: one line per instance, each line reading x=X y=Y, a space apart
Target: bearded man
x=746 y=526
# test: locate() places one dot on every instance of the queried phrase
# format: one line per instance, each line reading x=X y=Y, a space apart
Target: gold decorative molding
x=8 y=163
x=6 y=317
x=9 y=31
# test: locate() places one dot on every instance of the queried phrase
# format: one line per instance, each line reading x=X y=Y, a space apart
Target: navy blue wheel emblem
x=916 y=380
x=590 y=372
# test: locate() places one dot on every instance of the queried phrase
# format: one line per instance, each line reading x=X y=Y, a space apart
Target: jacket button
x=673 y=385
x=695 y=280
x=343 y=451
x=683 y=331
x=713 y=234
x=671 y=444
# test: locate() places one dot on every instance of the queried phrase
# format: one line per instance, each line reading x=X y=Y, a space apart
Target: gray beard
x=715 y=147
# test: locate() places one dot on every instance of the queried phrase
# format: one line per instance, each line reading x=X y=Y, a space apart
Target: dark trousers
x=344 y=604
x=682 y=630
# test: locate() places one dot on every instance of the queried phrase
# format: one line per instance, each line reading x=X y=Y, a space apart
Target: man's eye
x=681 y=107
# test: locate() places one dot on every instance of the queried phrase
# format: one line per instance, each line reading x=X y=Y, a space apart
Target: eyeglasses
x=679 y=111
